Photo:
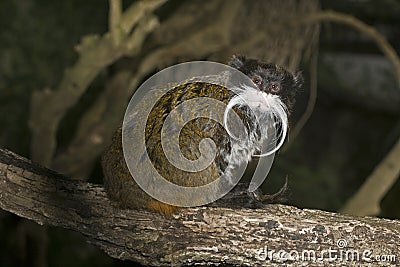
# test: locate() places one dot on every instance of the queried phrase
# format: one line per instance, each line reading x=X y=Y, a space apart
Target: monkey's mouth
x=266 y=119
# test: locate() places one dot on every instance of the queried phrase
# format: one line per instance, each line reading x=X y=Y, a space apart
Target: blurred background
x=69 y=68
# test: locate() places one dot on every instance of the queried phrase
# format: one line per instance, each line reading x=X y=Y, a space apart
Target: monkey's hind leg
x=240 y=197
x=277 y=197
x=163 y=208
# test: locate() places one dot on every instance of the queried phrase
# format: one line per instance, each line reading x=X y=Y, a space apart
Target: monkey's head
x=270 y=78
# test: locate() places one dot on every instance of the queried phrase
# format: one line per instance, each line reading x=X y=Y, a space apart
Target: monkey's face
x=270 y=78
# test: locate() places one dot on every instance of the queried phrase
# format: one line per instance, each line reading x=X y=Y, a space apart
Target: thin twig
x=379 y=39
x=312 y=99
x=114 y=17
x=114 y=14
x=366 y=201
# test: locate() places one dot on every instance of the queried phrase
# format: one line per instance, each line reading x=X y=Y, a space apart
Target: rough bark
x=203 y=235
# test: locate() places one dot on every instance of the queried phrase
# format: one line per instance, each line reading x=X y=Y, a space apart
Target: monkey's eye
x=274 y=87
x=257 y=81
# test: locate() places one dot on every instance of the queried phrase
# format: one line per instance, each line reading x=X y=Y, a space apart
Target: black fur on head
x=270 y=78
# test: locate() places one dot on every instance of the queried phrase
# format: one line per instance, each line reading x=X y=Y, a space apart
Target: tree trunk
x=204 y=235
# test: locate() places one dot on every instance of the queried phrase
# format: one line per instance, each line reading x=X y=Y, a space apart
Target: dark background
x=353 y=126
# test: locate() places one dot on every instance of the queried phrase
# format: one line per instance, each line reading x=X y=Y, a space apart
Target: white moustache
x=269 y=111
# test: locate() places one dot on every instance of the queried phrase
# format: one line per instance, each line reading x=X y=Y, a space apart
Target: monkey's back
x=119 y=183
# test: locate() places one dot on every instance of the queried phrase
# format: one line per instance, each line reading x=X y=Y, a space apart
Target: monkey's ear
x=237 y=61
x=298 y=79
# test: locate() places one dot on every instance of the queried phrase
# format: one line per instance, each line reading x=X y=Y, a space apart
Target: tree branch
x=203 y=235
x=95 y=129
x=370 y=31
x=366 y=201
x=48 y=107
